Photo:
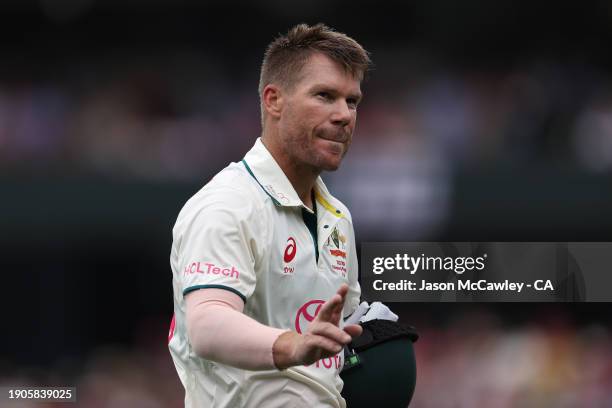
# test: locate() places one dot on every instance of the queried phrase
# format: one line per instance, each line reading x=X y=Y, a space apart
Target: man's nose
x=342 y=114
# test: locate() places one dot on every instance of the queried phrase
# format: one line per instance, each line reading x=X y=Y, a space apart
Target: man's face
x=318 y=116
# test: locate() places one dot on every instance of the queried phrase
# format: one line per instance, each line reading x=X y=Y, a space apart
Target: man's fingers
x=331 y=310
x=342 y=290
x=331 y=332
x=325 y=344
x=354 y=330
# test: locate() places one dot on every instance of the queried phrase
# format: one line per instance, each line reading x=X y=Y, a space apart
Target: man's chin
x=331 y=165
x=329 y=159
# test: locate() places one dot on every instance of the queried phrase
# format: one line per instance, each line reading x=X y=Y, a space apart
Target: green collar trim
x=274 y=200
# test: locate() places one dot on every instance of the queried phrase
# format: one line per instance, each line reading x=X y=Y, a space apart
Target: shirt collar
x=265 y=170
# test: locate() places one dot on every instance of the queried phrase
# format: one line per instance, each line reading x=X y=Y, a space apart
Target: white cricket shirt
x=244 y=231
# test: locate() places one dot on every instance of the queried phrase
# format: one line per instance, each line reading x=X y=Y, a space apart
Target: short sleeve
x=217 y=243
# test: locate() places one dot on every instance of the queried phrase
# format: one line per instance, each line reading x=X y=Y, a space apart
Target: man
x=263 y=248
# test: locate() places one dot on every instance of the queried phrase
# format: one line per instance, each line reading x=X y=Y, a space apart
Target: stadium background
x=481 y=121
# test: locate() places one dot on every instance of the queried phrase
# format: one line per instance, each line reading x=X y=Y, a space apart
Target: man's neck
x=302 y=178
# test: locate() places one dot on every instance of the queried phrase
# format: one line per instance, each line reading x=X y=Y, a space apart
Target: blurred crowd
x=179 y=117
x=480 y=364
x=472 y=363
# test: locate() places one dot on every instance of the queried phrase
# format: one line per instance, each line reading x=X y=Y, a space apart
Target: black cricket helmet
x=380 y=366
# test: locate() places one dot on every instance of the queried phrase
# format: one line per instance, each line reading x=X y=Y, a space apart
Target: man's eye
x=352 y=103
x=324 y=95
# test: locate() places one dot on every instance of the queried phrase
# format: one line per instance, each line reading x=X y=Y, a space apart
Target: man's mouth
x=338 y=137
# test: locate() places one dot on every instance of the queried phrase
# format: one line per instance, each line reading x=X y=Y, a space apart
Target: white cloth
x=379 y=311
x=244 y=232
x=361 y=310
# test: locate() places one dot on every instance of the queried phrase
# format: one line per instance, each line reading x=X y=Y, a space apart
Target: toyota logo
x=307 y=313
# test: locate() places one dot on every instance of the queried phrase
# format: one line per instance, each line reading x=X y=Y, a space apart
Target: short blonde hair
x=287 y=54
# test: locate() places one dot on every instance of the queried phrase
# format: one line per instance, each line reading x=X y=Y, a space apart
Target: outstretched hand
x=324 y=337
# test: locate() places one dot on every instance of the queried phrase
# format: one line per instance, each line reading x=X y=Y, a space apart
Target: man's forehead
x=321 y=70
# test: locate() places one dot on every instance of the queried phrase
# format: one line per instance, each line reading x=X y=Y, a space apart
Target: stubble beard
x=316 y=159
x=300 y=148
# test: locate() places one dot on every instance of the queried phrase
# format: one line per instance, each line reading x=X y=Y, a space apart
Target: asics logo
x=290 y=250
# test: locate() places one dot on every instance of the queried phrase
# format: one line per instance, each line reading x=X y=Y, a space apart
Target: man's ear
x=273 y=100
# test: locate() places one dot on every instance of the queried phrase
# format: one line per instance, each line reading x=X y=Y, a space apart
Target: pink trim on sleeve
x=219 y=331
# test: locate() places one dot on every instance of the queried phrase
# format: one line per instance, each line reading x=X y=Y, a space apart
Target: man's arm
x=219 y=331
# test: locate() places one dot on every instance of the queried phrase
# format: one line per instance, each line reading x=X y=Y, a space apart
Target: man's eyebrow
x=323 y=87
x=332 y=89
x=357 y=96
